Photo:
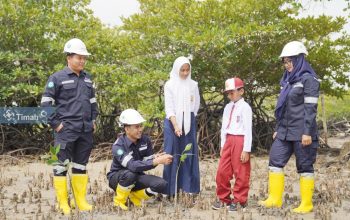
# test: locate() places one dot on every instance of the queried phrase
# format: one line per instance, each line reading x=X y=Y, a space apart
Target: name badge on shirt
x=143 y=147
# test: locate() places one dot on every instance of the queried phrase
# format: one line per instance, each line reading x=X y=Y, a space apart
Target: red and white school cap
x=233 y=84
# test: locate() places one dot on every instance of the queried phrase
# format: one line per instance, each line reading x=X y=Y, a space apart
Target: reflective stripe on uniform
x=298 y=84
x=93 y=100
x=59 y=169
x=275 y=169
x=126 y=188
x=148 y=157
x=312 y=100
x=47 y=99
x=143 y=147
x=151 y=192
x=126 y=159
x=67 y=82
x=78 y=166
x=309 y=175
x=88 y=80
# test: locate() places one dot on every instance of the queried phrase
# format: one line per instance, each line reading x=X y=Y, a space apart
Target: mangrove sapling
x=183 y=157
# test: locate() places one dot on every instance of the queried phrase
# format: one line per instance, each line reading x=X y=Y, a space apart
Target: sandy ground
x=26 y=192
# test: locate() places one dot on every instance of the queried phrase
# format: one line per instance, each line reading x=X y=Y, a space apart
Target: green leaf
x=57 y=149
x=54 y=157
x=52 y=150
x=188 y=147
x=183 y=157
x=52 y=162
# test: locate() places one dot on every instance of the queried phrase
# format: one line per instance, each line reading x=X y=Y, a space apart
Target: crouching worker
x=132 y=155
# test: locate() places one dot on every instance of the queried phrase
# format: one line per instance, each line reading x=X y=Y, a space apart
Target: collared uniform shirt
x=74 y=99
x=299 y=116
x=240 y=124
x=130 y=156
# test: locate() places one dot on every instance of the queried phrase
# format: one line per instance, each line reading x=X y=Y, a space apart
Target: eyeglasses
x=286 y=62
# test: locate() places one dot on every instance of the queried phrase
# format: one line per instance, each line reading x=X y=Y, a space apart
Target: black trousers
x=74 y=146
x=281 y=151
x=140 y=180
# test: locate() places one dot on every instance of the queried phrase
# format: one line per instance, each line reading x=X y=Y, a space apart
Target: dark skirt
x=188 y=178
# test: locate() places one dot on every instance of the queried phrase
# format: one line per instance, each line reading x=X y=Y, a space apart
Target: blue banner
x=25 y=115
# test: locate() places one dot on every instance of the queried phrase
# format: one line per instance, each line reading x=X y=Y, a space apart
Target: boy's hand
x=244 y=156
x=221 y=150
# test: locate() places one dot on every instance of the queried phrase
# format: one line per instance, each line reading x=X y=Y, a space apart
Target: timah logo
x=9 y=115
x=25 y=115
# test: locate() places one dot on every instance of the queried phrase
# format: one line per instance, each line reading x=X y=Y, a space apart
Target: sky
x=110 y=11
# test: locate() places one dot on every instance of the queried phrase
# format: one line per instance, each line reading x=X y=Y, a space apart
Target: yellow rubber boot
x=79 y=184
x=60 y=184
x=307 y=185
x=136 y=197
x=122 y=194
x=276 y=188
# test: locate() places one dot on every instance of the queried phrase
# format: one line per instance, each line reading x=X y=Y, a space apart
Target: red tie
x=229 y=122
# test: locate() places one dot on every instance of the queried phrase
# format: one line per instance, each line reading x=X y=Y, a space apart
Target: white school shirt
x=170 y=101
x=241 y=123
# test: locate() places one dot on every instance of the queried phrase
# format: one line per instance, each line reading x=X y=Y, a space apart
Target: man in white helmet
x=296 y=130
x=70 y=90
x=132 y=155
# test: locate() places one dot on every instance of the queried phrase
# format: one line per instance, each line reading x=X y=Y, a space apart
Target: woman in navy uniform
x=181 y=106
x=296 y=129
x=132 y=155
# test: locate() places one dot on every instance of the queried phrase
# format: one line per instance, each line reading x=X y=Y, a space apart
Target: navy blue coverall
x=299 y=118
x=130 y=160
x=76 y=108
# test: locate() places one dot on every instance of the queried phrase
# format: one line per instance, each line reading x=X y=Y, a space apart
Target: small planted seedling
x=183 y=157
x=51 y=158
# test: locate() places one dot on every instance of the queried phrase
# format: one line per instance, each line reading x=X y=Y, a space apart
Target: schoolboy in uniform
x=236 y=141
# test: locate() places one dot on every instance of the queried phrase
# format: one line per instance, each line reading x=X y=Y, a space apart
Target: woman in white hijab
x=181 y=106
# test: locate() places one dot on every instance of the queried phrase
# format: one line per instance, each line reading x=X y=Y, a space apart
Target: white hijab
x=181 y=89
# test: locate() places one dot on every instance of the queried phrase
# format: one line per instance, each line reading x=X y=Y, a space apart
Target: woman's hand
x=178 y=131
x=306 y=140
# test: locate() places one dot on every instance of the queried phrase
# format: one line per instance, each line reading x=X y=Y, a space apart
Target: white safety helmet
x=293 y=48
x=131 y=117
x=76 y=46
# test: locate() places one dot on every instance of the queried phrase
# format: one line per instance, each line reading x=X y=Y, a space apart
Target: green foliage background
x=130 y=63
